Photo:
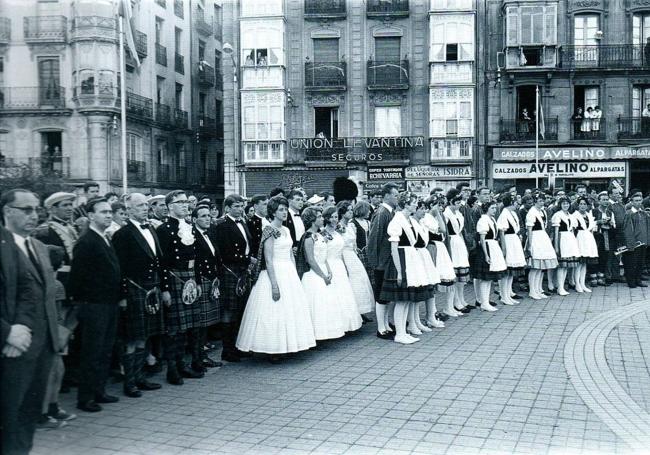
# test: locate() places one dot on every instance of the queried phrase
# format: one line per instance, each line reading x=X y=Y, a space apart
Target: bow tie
x=145 y=226
x=239 y=221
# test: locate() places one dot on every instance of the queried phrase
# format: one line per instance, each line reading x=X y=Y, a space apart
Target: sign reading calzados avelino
x=357 y=149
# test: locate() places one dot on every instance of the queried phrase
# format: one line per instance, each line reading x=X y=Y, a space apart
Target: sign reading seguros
x=584 y=169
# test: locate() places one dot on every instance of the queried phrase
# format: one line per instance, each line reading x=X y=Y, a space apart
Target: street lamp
x=230 y=51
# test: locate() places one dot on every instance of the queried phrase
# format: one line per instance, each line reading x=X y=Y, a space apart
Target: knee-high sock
x=459 y=293
x=583 y=276
x=401 y=312
x=390 y=313
x=487 y=285
x=549 y=277
x=452 y=296
x=510 y=280
x=430 y=305
x=410 y=318
x=532 y=282
x=503 y=289
x=561 y=278
x=380 y=312
x=477 y=288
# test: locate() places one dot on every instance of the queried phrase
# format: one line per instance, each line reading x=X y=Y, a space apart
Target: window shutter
x=512 y=25
x=326 y=50
x=387 y=49
x=550 y=25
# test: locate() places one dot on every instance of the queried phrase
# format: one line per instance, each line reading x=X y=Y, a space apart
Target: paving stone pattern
x=488 y=383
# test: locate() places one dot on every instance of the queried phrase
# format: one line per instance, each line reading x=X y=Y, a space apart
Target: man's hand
x=11 y=352
x=122 y=304
x=20 y=337
x=167 y=298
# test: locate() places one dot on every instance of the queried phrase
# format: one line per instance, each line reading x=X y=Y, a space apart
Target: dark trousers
x=632 y=266
x=379 y=282
x=229 y=337
x=23 y=381
x=98 y=329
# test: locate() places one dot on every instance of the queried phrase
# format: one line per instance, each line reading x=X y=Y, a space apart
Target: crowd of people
x=138 y=283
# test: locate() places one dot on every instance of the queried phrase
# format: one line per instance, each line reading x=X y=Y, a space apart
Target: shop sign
x=570 y=153
x=386 y=173
x=377 y=184
x=438 y=172
x=586 y=169
x=357 y=149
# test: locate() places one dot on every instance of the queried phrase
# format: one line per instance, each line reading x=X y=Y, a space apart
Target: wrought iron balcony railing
x=325 y=76
x=136 y=170
x=207 y=125
x=178 y=9
x=45 y=29
x=5 y=30
x=139 y=107
x=634 y=127
x=604 y=56
x=391 y=8
x=589 y=129
x=203 y=27
x=210 y=177
x=163 y=114
x=525 y=130
x=205 y=75
x=161 y=54
x=15 y=98
x=140 y=39
x=386 y=75
x=168 y=174
x=94 y=27
x=325 y=9
x=180 y=119
x=179 y=63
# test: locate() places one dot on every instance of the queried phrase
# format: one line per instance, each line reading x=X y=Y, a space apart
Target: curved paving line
x=586 y=365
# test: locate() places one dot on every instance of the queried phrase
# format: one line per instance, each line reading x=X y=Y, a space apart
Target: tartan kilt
x=232 y=305
x=210 y=308
x=363 y=257
x=180 y=317
x=136 y=323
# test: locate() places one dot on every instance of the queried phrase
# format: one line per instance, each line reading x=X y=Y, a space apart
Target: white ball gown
x=277 y=327
x=326 y=310
x=341 y=284
x=359 y=280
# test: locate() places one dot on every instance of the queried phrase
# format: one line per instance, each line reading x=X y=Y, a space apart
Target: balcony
x=203 y=27
x=51 y=165
x=205 y=75
x=323 y=76
x=161 y=54
x=27 y=98
x=138 y=107
x=95 y=95
x=179 y=63
x=451 y=149
x=45 y=29
x=163 y=114
x=180 y=119
x=604 y=56
x=524 y=130
x=178 y=9
x=5 y=30
x=94 y=28
x=140 y=39
x=390 y=8
x=388 y=75
x=210 y=177
x=136 y=170
x=452 y=73
x=634 y=128
x=531 y=57
x=168 y=174
x=588 y=129
x=207 y=126
x=262 y=76
x=324 y=9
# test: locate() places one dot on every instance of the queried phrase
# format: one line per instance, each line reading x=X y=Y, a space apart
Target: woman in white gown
x=276 y=319
x=359 y=280
x=340 y=281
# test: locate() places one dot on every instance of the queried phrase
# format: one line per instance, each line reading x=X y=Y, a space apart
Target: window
x=585 y=28
x=178 y=39
x=258 y=8
x=264 y=151
x=201 y=51
x=263 y=43
x=202 y=98
x=263 y=116
x=387 y=49
x=640 y=99
x=531 y=25
x=326 y=50
x=159 y=30
x=451 y=148
x=451 y=112
x=3 y=146
x=160 y=88
x=133 y=147
x=640 y=28
x=388 y=121
x=326 y=122
x=451 y=4
x=178 y=96
x=49 y=80
x=452 y=38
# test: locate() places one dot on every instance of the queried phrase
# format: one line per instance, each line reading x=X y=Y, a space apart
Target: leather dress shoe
x=190 y=374
x=386 y=335
x=198 y=367
x=441 y=317
x=146 y=385
x=132 y=391
x=153 y=369
x=631 y=286
x=642 y=284
x=106 y=398
x=463 y=310
x=174 y=378
x=89 y=406
x=209 y=363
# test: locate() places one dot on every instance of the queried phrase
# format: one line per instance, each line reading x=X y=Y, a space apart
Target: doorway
x=51 y=152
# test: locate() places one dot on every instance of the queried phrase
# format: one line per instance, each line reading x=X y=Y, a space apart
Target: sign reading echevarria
x=357 y=149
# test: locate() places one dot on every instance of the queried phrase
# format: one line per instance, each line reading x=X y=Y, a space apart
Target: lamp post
x=229 y=50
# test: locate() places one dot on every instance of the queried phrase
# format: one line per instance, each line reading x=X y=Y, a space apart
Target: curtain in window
x=388 y=121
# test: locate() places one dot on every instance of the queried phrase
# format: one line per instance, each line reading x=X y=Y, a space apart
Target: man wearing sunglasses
x=28 y=316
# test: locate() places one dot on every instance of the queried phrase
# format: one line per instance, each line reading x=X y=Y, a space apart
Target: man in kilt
x=180 y=293
x=137 y=248
x=233 y=241
x=208 y=265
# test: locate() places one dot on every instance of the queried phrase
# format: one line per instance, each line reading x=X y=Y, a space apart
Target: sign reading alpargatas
x=558 y=169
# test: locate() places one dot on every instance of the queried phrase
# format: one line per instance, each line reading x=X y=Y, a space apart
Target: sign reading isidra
x=357 y=149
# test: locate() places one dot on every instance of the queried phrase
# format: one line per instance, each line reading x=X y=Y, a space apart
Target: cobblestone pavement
x=488 y=383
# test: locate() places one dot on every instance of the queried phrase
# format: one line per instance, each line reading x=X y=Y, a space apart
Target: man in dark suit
x=258 y=221
x=234 y=242
x=618 y=209
x=29 y=321
x=379 y=255
x=294 y=222
x=138 y=251
x=91 y=191
x=635 y=232
x=604 y=237
x=95 y=283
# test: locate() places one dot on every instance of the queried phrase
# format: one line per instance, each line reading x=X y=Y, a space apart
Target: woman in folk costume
x=585 y=226
x=323 y=302
x=276 y=319
x=455 y=223
x=542 y=254
x=405 y=280
x=415 y=326
x=435 y=224
x=566 y=244
x=359 y=280
x=508 y=225
x=340 y=281
x=490 y=265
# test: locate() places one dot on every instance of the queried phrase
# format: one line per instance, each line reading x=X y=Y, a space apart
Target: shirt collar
x=101 y=234
x=136 y=223
x=633 y=209
x=388 y=207
x=19 y=239
x=231 y=218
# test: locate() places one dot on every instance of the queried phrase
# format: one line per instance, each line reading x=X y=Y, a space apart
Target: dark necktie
x=32 y=257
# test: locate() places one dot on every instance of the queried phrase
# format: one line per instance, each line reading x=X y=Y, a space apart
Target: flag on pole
x=129 y=28
x=540 y=114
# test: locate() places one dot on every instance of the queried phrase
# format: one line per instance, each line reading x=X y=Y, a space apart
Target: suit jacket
x=378 y=244
x=138 y=263
x=635 y=228
x=472 y=215
x=95 y=275
x=232 y=244
x=289 y=224
x=255 y=228
x=62 y=234
x=208 y=265
x=19 y=296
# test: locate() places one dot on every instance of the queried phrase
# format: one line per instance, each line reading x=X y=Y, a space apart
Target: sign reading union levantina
x=357 y=149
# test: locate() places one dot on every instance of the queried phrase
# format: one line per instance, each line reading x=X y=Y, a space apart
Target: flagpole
x=537 y=136
x=123 y=105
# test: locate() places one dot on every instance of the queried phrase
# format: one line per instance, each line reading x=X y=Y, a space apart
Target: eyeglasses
x=25 y=210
